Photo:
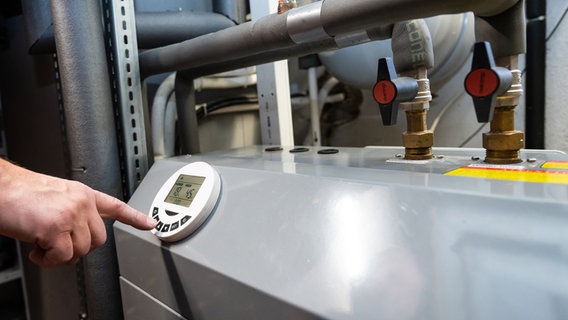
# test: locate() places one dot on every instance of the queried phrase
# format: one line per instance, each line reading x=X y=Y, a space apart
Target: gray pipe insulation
x=92 y=142
x=339 y=16
x=412 y=46
x=187 y=116
x=267 y=56
x=153 y=29
x=342 y=21
x=156 y=29
x=235 y=10
x=506 y=31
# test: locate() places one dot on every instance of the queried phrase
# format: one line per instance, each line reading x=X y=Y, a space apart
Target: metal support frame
x=120 y=26
x=273 y=92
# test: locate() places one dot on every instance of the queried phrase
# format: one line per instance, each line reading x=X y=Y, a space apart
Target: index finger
x=112 y=208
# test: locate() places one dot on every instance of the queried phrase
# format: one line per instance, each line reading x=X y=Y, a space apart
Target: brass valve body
x=503 y=142
x=417 y=140
x=285 y=5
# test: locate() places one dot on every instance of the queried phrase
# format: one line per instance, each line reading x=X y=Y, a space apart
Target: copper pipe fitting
x=417 y=139
x=503 y=142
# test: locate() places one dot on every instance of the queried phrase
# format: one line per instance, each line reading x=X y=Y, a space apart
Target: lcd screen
x=184 y=190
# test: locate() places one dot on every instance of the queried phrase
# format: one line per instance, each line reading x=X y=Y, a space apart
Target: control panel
x=185 y=201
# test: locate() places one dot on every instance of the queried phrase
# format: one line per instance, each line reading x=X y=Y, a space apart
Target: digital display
x=184 y=190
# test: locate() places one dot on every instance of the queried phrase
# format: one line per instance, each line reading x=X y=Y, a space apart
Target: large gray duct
x=92 y=138
x=341 y=21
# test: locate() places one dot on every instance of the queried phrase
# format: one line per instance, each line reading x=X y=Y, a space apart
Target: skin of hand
x=63 y=218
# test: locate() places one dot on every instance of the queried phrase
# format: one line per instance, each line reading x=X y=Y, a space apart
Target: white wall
x=556 y=136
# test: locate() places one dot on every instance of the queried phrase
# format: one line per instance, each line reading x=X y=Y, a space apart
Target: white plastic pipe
x=314 y=106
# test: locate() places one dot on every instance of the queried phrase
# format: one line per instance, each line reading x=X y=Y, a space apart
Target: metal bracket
x=127 y=90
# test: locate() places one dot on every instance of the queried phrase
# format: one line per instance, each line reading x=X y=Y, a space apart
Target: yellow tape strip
x=556 y=165
x=539 y=176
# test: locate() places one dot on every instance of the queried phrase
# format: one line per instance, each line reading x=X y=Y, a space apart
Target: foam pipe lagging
x=412 y=46
x=345 y=22
x=506 y=31
x=153 y=29
x=91 y=133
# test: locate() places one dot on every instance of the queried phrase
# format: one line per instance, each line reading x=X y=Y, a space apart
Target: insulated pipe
x=412 y=46
x=159 y=105
x=268 y=33
x=340 y=16
x=505 y=31
x=156 y=29
x=187 y=116
x=235 y=10
x=91 y=135
x=153 y=29
x=170 y=127
x=154 y=62
x=379 y=33
x=339 y=20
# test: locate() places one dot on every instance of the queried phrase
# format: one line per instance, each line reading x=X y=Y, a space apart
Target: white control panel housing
x=185 y=201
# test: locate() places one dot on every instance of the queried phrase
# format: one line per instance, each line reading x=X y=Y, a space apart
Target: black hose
x=535 y=99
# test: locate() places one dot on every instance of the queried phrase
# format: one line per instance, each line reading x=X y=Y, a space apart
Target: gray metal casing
x=354 y=236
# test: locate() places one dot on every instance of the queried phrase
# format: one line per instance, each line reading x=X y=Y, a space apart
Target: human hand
x=63 y=218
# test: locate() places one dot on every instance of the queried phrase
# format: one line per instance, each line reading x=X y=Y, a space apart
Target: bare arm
x=62 y=217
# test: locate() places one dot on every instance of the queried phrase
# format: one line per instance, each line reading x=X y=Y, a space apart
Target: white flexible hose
x=324 y=91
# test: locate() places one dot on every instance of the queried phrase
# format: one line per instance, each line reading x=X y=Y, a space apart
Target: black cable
x=473 y=135
x=557 y=24
x=225 y=103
